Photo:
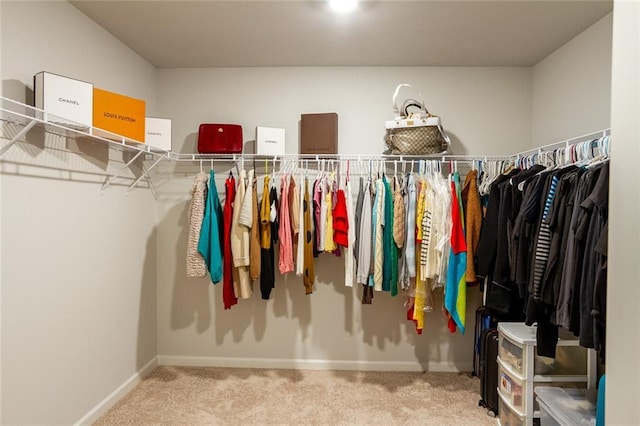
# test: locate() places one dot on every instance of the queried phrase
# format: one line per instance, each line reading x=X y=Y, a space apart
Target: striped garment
x=426 y=238
x=543 y=245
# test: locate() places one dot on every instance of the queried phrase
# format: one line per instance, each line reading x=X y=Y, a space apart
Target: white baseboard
x=115 y=396
x=311 y=364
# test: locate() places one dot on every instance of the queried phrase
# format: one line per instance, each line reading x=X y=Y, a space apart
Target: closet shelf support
x=144 y=174
x=17 y=137
x=112 y=178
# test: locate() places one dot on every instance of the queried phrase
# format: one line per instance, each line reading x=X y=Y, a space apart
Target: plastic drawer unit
x=520 y=370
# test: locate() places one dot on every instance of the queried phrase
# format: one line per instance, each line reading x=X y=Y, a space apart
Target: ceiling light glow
x=343 y=6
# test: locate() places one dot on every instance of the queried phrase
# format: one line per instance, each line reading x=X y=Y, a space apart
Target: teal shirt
x=390 y=264
x=210 y=243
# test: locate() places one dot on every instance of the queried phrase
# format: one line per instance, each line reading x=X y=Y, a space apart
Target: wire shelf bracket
x=123 y=168
x=144 y=174
x=19 y=136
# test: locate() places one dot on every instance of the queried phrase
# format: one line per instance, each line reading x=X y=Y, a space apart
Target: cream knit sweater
x=196 y=267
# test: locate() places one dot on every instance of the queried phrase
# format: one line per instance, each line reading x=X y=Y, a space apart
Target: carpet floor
x=202 y=396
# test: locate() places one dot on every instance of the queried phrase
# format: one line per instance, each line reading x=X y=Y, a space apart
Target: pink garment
x=285 y=262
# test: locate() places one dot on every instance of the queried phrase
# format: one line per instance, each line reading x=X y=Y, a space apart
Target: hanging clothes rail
x=338 y=157
x=563 y=144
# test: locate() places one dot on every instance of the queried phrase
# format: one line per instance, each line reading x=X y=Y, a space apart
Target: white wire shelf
x=26 y=116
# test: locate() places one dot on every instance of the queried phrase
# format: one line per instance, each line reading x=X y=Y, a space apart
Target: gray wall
x=78 y=268
x=487 y=110
x=572 y=87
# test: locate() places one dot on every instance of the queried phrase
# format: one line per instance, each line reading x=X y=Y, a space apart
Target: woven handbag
x=418 y=133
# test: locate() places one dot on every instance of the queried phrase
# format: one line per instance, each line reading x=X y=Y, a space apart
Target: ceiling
x=172 y=34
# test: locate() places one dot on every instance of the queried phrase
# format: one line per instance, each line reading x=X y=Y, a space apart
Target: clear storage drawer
x=569 y=360
x=515 y=390
x=512 y=389
x=506 y=416
x=511 y=354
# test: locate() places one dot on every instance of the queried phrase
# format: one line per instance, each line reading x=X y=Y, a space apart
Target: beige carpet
x=197 y=396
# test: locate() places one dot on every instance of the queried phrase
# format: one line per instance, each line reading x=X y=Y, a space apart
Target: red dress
x=228 y=294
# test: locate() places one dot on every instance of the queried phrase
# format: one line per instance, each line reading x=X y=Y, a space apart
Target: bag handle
x=396 y=108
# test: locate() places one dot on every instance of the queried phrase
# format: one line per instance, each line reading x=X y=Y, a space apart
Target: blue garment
x=455 y=290
x=210 y=243
x=600 y=403
x=387 y=238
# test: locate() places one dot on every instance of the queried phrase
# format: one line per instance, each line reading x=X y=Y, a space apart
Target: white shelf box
x=69 y=101
x=158 y=133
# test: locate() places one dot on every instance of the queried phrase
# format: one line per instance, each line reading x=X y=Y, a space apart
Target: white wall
x=572 y=87
x=78 y=276
x=623 y=315
x=487 y=110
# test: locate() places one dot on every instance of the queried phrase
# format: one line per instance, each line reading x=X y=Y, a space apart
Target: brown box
x=319 y=133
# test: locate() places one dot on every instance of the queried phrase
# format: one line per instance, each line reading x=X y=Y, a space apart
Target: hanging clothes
x=455 y=296
x=473 y=220
x=390 y=261
x=254 y=241
x=350 y=261
x=285 y=258
x=378 y=244
x=309 y=272
x=318 y=231
x=596 y=205
x=368 y=288
x=196 y=267
x=410 y=240
x=240 y=237
x=399 y=224
x=358 y=220
x=341 y=221
x=364 y=238
x=230 y=278
x=329 y=243
x=444 y=228
x=265 y=216
x=599 y=311
x=323 y=189
x=294 y=217
x=267 y=267
x=302 y=236
x=210 y=243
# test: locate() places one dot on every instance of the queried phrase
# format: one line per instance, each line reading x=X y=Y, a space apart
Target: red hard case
x=220 y=139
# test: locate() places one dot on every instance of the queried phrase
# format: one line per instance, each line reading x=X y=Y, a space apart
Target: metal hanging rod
x=334 y=157
x=564 y=143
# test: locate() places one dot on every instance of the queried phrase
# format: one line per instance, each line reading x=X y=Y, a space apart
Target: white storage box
x=69 y=101
x=566 y=407
x=269 y=141
x=158 y=133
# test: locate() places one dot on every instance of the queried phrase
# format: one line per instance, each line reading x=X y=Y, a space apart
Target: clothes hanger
x=273 y=172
